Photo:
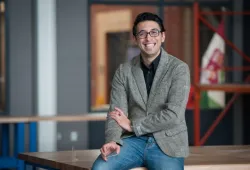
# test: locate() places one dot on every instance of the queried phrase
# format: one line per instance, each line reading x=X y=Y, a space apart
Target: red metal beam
x=218 y=119
x=231 y=88
x=197 y=91
x=221 y=115
x=244 y=68
x=225 y=13
x=196 y=75
x=247 y=58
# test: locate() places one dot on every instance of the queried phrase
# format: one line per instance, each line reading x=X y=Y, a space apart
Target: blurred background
x=58 y=57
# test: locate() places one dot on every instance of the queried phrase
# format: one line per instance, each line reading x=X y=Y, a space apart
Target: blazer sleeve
x=118 y=98
x=174 y=112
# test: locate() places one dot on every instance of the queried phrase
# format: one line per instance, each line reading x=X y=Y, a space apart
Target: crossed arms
x=174 y=111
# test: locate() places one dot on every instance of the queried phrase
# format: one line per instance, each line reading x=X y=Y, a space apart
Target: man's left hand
x=121 y=119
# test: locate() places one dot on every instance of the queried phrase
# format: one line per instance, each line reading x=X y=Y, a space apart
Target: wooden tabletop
x=58 y=118
x=229 y=157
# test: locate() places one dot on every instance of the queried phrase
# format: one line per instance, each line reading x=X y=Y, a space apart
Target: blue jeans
x=139 y=152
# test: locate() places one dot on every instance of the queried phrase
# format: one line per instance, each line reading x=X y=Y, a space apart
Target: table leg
x=24 y=165
x=19 y=143
x=33 y=137
x=5 y=139
x=28 y=166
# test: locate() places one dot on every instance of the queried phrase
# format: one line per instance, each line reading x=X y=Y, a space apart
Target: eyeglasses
x=144 y=34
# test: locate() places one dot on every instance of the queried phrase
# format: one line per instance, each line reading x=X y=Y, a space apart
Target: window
x=111 y=44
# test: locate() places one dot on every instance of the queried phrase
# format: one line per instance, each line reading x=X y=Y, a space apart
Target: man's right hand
x=109 y=148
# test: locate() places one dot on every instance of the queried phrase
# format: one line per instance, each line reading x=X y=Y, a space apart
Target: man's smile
x=149 y=45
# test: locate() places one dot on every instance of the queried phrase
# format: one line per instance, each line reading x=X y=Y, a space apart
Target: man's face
x=149 y=38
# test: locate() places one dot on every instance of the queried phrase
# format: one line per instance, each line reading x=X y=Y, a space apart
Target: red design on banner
x=214 y=65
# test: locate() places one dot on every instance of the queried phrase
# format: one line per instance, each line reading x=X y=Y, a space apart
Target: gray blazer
x=162 y=112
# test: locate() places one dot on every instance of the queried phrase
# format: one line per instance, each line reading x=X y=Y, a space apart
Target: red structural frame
x=233 y=88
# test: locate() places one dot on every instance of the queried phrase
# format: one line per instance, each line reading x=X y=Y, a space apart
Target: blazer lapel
x=160 y=72
x=139 y=78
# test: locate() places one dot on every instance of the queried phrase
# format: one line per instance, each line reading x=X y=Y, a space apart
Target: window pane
x=111 y=44
x=2 y=58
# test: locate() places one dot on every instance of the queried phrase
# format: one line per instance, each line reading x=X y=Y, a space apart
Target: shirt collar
x=154 y=64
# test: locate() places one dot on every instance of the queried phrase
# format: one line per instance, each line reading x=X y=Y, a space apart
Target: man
x=146 y=122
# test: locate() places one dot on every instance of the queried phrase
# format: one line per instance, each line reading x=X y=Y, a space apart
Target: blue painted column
x=5 y=139
x=19 y=143
x=33 y=137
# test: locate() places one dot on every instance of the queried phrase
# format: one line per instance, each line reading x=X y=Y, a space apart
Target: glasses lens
x=142 y=34
x=154 y=33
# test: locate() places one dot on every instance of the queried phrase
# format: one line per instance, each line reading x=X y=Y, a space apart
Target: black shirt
x=149 y=72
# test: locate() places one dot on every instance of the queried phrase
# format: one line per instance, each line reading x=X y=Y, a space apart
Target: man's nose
x=148 y=36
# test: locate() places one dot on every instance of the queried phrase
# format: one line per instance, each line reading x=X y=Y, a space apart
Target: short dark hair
x=147 y=16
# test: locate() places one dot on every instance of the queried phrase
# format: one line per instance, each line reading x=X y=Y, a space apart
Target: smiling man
x=146 y=121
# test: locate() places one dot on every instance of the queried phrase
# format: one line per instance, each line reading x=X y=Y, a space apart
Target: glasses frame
x=148 y=33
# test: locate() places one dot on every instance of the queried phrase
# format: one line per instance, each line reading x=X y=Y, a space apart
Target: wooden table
x=201 y=158
x=19 y=121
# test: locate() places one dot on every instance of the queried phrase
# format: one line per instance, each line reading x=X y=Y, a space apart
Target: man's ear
x=163 y=36
x=134 y=39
